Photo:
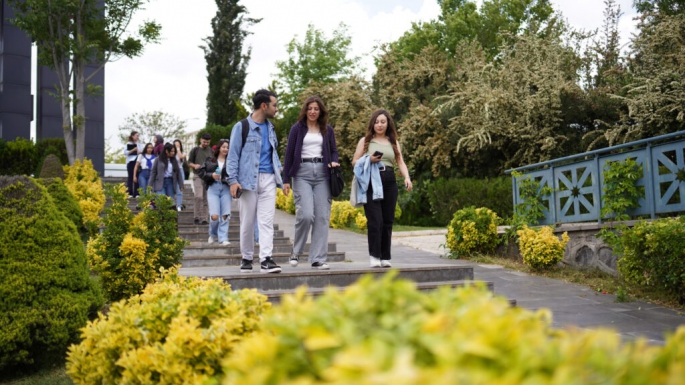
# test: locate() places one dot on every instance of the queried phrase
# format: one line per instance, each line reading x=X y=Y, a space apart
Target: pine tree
x=226 y=61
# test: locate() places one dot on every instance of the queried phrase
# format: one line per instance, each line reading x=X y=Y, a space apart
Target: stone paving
x=572 y=305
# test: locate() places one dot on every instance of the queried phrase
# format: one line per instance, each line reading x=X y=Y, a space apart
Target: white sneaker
x=374 y=262
x=385 y=263
x=210 y=240
x=294 y=260
x=225 y=243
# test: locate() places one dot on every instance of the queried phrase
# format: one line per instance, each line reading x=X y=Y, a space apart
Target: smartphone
x=378 y=154
x=238 y=193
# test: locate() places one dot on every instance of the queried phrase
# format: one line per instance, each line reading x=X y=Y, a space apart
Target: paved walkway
x=572 y=305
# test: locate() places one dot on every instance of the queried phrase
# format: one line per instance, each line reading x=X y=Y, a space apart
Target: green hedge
x=46 y=292
x=64 y=200
x=24 y=157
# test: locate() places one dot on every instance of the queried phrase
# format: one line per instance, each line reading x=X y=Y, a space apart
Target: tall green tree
x=662 y=7
x=72 y=34
x=227 y=61
x=149 y=124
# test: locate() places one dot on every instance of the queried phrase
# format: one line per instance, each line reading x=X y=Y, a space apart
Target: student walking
x=166 y=174
x=196 y=159
x=141 y=172
x=254 y=171
x=375 y=158
x=132 y=149
x=180 y=159
x=218 y=194
x=310 y=154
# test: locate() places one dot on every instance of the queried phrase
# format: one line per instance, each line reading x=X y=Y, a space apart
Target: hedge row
x=24 y=157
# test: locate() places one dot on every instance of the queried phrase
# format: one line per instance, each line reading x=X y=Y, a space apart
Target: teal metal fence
x=577 y=181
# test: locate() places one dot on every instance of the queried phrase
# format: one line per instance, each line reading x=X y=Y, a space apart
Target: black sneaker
x=320 y=266
x=269 y=266
x=205 y=222
x=246 y=266
x=196 y=221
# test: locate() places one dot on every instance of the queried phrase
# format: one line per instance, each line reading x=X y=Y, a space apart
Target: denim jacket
x=364 y=170
x=243 y=161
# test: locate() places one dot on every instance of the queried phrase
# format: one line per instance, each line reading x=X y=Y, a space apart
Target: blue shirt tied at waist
x=366 y=172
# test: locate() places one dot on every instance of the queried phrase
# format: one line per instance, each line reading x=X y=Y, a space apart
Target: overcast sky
x=171 y=76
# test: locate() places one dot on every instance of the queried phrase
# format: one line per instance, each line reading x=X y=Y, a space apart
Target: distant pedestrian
x=310 y=154
x=158 y=142
x=254 y=170
x=181 y=159
x=375 y=158
x=218 y=194
x=166 y=175
x=141 y=172
x=196 y=159
x=132 y=149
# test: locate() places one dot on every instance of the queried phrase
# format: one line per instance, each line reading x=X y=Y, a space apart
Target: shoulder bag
x=337 y=182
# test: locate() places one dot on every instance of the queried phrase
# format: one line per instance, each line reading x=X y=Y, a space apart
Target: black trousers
x=380 y=216
x=132 y=187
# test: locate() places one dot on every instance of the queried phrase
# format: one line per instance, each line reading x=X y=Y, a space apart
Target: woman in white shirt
x=141 y=173
x=131 y=150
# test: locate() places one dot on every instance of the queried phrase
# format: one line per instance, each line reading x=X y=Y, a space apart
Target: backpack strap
x=246 y=128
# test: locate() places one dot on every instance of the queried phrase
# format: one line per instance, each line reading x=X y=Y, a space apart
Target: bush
x=64 y=200
x=653 y=254
x=52 y=168
x=342 y=214
x=18 y=157
x=51 y=146
x=541 y=249
x=84 y=183
x=46 y=293
x=465 y=336
x=285 y=203
x=471 y=231
x=175 y=332
x=128 y=253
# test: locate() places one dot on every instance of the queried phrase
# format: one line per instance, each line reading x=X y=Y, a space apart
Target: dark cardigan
x=293 y=153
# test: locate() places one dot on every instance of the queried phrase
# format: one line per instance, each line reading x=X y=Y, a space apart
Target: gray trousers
x=200 y=210
x=312 y=196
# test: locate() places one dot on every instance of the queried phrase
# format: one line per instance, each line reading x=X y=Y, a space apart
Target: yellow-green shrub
x=85 y=184
x=472 y=230
x=360 y=220
x=285 y=203
x=64 y=200
x=175 y=332
x=541 y=249
x=465 y=336
x=130 y=250
x=46 y=292
x=342 y=214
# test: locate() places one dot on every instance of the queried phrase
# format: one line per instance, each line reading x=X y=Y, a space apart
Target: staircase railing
x=577 y=181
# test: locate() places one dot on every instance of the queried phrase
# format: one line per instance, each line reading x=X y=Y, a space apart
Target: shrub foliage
x=84 y=183
x=541 y=249
x=64 y=200
x=176 y=332
x=46 y=293
x=472 y=230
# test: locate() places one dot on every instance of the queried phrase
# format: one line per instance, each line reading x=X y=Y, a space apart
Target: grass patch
x=54 y=376
x=594 y=278
x=398 y=228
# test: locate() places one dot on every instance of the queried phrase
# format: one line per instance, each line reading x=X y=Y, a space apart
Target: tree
x=661 y=7
x=72 y=34
x=149 y=124
x=318 y=59
x=226 y=62
x=114 y=154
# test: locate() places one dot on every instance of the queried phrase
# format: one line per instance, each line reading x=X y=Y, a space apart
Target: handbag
x=337 y=182
x=353 y=193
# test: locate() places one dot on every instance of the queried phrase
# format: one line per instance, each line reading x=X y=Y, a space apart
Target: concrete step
x=202 y=234
x=339 y=277
x=193 y=228
x=234 y=260
x=275 y=295
x=197 y=249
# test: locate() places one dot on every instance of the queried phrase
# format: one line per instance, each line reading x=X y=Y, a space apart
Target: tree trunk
x=80 y=106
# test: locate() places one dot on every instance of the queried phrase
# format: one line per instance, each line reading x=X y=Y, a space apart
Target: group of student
x=156 y=165
x=247 y=167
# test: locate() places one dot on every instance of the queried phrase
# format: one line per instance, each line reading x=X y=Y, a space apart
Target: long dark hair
x=146 y=147
x=180 y=145
x=390 y=132
x=323 y=113
x=164 y=158
x=218 y=149
x=130 y=137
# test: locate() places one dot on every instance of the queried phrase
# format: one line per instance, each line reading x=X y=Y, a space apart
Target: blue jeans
x=219 y=201
x=143 y=177
x=179 y=193
x=167 y=188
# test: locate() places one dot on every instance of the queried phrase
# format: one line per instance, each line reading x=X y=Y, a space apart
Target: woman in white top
x=131 y=150
x=310 y=153
x=141 y=173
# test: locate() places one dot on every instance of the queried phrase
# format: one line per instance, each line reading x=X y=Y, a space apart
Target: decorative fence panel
x=578 y=181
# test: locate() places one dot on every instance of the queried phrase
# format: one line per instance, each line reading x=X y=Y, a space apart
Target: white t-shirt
x=143 y=161
x=312 y=146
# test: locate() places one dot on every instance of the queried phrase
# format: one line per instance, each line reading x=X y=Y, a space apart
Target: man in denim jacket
x=254 y=170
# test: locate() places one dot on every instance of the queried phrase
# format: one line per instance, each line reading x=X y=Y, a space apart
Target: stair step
x=335 y=277
x=234 y=260
x=275 y=295
x=233 y=236
x=199 y=249
x=193 y=228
